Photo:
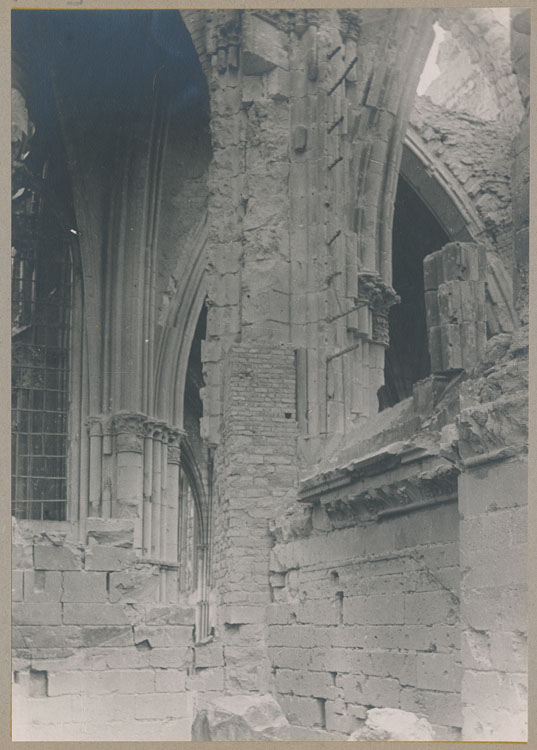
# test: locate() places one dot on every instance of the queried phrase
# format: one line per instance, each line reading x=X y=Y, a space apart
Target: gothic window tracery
x=41 y=298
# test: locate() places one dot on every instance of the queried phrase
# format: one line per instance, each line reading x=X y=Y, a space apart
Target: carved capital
x=350 y=23
x=95 y=425
x=375 y=292
x=379 y=297
x=155 y=429
x=128 y=429
x=223 y=34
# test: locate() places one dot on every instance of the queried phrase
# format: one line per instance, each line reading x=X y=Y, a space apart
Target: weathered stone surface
x=455 y=305
x=84 y=586
x=169 y=614
x=140 y=584
x=56 y=557
x=394 y=724
x=117 y=532
x=108 y=557
x=263 y=46
x=43 y=585
x=239 y=717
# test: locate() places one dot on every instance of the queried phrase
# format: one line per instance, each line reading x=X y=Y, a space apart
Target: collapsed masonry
x=236 y=543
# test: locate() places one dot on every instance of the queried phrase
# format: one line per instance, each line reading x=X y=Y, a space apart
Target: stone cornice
x=398 y=477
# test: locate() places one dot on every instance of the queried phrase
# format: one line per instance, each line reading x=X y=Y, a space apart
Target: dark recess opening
x=416 y=233
x=193 y=406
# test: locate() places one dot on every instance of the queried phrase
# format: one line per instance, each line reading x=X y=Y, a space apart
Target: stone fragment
x=138 y=585
x=263 y=46
x=117 y=532
x=239 y=717
x=394 y=724
x=454 y=280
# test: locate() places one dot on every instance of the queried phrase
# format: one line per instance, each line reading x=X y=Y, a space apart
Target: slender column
x=95 y=465
x=127 y=430
x=148 y=489
x=156 y=494
x=174 y=462
x=164 y=510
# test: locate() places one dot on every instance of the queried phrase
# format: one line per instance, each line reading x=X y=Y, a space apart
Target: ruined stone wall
x=365 y=616
x=307 y=135
x=476 y=76
x=479 y=156
x=95 y=655
x=493 y=502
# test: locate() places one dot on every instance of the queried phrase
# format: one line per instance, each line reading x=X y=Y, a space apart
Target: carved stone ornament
x=128 y=429
x=95 y=425
x=381 y=328
x=379 y=297
x=350 y=20
x=223 y=32
x=395 y=479
x=373 y=290
x=175 y=437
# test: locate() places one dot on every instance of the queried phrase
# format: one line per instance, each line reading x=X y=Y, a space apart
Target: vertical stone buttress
x=308 y=114
x=493 y=491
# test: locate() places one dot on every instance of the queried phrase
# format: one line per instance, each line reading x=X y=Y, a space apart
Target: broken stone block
x=455 y=305
x=263 y=47
x=394 y=724
x=105 y=557
x=138 y=585
x=55 y=557
x=117 y=532
x=239 y=717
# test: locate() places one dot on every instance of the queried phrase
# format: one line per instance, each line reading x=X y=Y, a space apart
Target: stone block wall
x=96 y=655
x=368 y=616
x=493 y=551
